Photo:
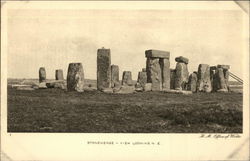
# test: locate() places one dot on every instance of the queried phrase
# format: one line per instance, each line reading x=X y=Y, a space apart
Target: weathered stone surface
x=192 y=82
x=127 y=78
x=103 y=69
x=172 y=78
x=114 y=75
x=223 y=66
x=204 y=82
x=220 y=80
x=157 y=54
x=181 y=76
x=181 y=59
x=165 y=69
x=126 y=89
x=154 y=74
x=144 y=70
x=148 y=87
x=59 y=74
x=42 y=74
x=142 y=78
x=75 y=77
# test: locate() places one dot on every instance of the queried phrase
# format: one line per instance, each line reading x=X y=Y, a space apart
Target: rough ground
x=55 y=110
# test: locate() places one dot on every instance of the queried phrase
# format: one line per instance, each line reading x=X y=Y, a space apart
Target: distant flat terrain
x=56 y=110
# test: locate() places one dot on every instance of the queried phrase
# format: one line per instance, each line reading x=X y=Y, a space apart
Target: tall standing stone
x=142 y=78
x=75 y=77
x=127 y=78
x=59 y=74
x=103 y=69
x=114 y=75
x=42 y=74
x=157 y=67
x=192 y=82
x=221 y=82
x=181 y=76
x=172 y=78
x=165 y=69
x=204 y=82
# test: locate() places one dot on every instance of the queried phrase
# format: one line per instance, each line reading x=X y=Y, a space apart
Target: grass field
x=55 y=110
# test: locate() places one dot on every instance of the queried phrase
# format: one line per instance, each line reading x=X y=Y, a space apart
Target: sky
x=54 y=38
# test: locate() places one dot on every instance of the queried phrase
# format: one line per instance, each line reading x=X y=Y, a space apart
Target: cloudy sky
x=55 y=38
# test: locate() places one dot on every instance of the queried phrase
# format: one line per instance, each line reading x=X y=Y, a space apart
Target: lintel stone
x=157 y=54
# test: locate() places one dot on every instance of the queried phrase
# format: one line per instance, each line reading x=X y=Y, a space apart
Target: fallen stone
x=126 y=90
x=139 y=89
x=181 y=59
x=204 y=82
x=192 y=82
x=107 y=90
x=127 y=78
x=165 y=69
x=42 y=74
x=148 y=87
x=59 y=74
x=181 y=76
x=114 y=75
x=178 y=92
x=75 y=77
x=154 y=74
x=103 y=69
x=222 y=91
x=25 y=88
x=61 y=85
x=157 y=54
x=42 y=85
x=223 y=66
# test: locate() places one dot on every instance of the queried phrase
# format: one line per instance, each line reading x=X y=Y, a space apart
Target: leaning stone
x=154 y=74
x=157 y=54
x=220 y=79
x=204 y=82
x=127 y=78
x=181 y=76
x=181 y=59
x=114 y=75
x=223 y=66
x=103 y=69
x=172 y=78
x=75 y=77
x=59 y=74
x=148 y=87
x=42 y=74
x=142 y=78
x=165 y=69
x=192 y=82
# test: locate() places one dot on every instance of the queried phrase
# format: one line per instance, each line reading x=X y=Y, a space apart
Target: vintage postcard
x=135 y=80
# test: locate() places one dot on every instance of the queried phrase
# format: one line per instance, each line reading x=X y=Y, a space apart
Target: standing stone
x=103 y=69
x=59 y=74
x=142 y=78
x=212 y=78
x=192 y=82
x=181 y=59
x=114 y=75
x=42 y=75
x=181 y=76
x=220 y=80
x=165 y=69
x=75 y=77
x=157 y=67
x=204 y=82
x=172 y=78
x=127 y=78
x=154 y=74
x=226 y=75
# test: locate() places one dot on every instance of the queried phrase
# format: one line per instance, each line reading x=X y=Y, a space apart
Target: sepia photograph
x=117 y=70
